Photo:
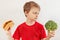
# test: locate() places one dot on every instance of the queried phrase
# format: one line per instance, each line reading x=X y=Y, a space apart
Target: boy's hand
x=8 y=33
x=50 y=34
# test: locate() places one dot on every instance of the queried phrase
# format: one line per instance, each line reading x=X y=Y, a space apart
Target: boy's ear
x=26 y=13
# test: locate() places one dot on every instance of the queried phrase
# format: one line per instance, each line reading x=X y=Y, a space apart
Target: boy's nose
x=36 y=15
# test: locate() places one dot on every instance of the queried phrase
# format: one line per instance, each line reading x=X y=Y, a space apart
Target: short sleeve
x=16 y=34
x=43 y=32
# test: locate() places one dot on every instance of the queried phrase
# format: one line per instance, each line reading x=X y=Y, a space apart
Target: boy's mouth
x=36 y=18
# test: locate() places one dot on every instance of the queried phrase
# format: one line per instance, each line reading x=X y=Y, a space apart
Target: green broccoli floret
x=51 y=25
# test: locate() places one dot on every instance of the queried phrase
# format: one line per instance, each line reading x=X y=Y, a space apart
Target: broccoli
x=51 y=25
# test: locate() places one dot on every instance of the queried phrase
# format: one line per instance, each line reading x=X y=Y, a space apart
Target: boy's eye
x=35 y=13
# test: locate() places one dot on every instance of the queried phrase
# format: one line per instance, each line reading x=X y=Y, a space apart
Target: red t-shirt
x=33 y=32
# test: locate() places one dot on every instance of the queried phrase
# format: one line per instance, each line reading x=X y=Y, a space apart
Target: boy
x=31 y=29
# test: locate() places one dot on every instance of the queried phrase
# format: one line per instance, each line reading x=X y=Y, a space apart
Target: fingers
x=51 y=34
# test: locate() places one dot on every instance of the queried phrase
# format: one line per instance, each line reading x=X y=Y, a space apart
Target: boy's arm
x=50 y=34
x=16 y=35
x=46 y=38
x=16 y=39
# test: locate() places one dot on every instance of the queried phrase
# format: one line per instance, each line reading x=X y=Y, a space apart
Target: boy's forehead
x=35 y=9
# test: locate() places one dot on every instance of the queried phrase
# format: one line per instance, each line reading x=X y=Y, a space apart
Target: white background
x=13 y=9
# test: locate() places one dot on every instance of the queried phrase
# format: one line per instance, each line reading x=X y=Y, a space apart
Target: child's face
x=33 y=13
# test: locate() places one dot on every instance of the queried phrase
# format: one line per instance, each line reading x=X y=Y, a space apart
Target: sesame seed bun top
x=8 y=24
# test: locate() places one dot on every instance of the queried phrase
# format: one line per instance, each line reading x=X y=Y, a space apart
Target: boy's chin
x=34 y=19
